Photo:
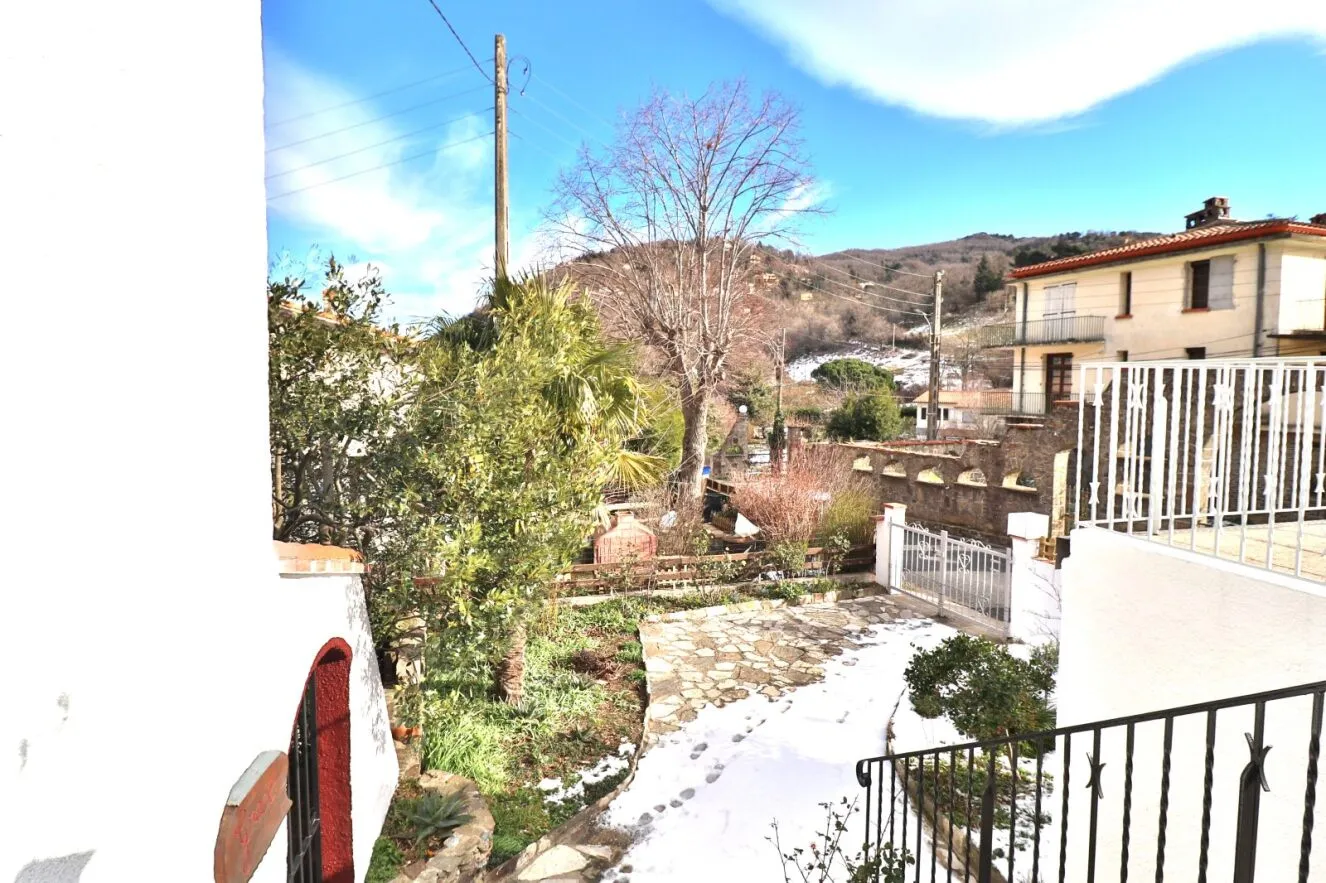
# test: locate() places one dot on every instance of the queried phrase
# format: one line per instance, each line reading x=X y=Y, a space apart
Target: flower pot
x=405 y=734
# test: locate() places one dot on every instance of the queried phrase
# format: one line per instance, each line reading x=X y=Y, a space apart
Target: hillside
x=868 y=301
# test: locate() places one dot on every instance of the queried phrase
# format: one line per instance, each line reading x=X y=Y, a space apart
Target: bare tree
x=666 y=220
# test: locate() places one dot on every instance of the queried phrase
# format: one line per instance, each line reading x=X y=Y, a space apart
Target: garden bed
x=569 y=743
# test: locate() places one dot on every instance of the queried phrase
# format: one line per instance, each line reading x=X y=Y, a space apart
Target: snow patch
x=703 y=798
x=609 y=766
x=910 y=367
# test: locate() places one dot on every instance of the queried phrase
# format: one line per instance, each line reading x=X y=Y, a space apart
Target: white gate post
x=888 y=554
x=1029 y=596
x=943 y=572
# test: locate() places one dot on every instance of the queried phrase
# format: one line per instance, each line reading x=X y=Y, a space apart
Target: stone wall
x=971 y=487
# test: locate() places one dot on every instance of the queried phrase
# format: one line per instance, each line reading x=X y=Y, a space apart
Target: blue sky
x=925 y=119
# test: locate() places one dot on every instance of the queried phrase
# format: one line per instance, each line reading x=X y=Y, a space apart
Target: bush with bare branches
x=799 y=503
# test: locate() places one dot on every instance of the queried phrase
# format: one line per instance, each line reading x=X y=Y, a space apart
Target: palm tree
x=589 y=394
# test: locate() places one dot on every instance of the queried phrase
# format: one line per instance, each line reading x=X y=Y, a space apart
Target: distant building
x=959 y=410
x=1221 y=288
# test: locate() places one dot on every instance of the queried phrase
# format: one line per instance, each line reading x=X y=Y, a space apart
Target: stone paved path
x=692 y=662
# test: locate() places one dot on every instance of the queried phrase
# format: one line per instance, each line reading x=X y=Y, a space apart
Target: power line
x=885 y=267
x=550 y=131
x=858 y=291
x=536 y=145
x=391 y=91
x=483 y=73
x=922 y=302
x=572 y=123
x=433 y=152
x=377 y=119
x=571 y=100
x=378 y=144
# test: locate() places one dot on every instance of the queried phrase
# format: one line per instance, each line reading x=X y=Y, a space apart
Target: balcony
x=1009 y=402
x=1059 y=329
x=1223 y=458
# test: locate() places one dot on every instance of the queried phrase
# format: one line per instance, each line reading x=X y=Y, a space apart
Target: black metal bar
x=1164 y=799
x=863 y=778
x=1310 y=796
x=966 y=856
x=906 y=774
x=1036 y=825
x=1199 y=708
x=1093 y=784
x=1063 y=822
x=985 y=867
x=893 y=797
x=952 y=805
x=1203 y=857
x=934 y=845
x=1127 y=804
x=1013 y=809
x=304 y=828
x=920 y=813
x=1252 y=781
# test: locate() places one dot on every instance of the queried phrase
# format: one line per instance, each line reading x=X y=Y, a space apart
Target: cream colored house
x=1220 y=289
x=959 y=410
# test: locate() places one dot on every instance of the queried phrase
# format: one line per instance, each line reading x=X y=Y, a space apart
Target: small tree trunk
x=511 y=670
x=694 y=441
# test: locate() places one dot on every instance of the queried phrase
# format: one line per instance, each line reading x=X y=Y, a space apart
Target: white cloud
x=426 y=226
x=1012 y=62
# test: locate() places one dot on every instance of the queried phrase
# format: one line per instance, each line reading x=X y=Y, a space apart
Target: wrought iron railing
x=1223 y=458
x=1056 y=329
x=1186 y=794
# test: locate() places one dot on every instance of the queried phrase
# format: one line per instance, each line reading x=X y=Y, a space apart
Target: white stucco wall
x=1147 y=628
x=148 y=648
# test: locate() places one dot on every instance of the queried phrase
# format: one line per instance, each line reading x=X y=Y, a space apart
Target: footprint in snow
x=699 y=749
x=687 y=793
x=738 y=737
x=713 y=776
x=844 y=717
x=674 y=803
x=660 y=808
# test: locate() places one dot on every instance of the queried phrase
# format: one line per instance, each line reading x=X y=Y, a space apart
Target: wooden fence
x=680 y=569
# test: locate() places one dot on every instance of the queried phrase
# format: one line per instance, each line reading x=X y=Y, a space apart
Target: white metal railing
x=1222 y=457
x=960 y=577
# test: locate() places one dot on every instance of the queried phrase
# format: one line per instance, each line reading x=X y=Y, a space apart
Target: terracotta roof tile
x=1198 y=237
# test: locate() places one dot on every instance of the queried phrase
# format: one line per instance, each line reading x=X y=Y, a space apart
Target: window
x=1125 y=294
x=923 y=412
x=943 y=414
x=1121 y=356
x=1199 y=285
x=1060 y=300
x=1195 y=352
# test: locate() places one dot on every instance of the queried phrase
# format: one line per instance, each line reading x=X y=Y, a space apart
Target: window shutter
x=1222 y=283
x=1053 y=300
x=1068 y=298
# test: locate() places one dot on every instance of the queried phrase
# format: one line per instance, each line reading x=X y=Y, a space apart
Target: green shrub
x=853 y=374
x=460 y=740
x=631 y=651
x=788 y=556
x=786 y=590
x=386 y=863
x=870 y=417
x=985 y=691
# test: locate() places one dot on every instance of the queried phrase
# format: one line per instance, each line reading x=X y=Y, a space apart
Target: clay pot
x=405 y=734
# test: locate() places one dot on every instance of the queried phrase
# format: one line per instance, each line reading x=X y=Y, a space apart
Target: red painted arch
x=331 y=671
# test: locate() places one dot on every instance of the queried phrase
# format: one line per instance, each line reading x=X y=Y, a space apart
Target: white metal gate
x=960 y=577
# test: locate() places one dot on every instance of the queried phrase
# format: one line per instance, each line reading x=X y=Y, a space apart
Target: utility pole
x=932 y=413
x=499 y=164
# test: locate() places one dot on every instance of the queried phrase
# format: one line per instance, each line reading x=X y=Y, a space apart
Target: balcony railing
x=1178 y=794
x=1059 y=329
x=1021 y=402
x=1224 y=458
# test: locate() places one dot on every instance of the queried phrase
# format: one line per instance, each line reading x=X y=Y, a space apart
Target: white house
x=959 y=410
x=163 y=660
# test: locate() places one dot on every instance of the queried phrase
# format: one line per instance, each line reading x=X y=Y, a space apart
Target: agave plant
x=433 y=814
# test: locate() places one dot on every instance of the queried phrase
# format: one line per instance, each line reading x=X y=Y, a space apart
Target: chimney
x=1319 y=219
x=1213 y=211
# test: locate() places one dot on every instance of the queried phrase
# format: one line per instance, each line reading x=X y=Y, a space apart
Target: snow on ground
x=557 y=792
x=703 y=799
x=910 y=367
